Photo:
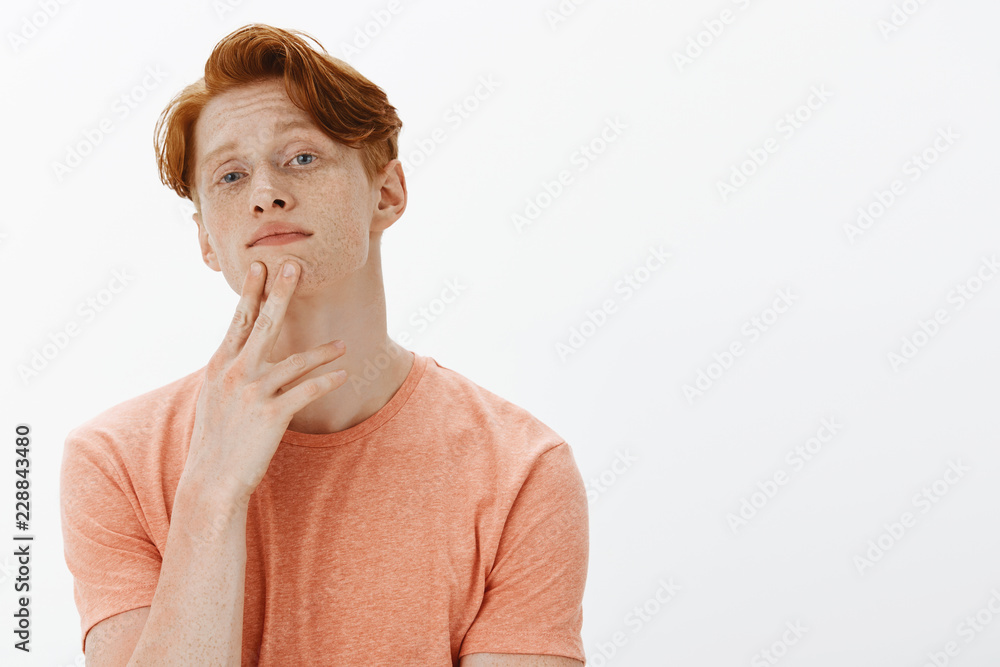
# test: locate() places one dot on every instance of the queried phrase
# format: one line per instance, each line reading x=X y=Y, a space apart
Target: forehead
x=255 y=111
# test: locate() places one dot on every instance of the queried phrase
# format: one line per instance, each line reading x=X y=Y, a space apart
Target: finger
x=296 y=365
x=303 y=394
x=246 y=311
x=272 y=314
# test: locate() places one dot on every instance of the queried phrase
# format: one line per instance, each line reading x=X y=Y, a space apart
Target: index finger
x=246 y=310
x=272 y=313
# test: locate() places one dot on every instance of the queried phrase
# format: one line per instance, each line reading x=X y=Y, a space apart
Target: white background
x=692 y=459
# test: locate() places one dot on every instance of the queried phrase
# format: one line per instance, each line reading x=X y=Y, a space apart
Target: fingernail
x=289 y=269
x=255 y=269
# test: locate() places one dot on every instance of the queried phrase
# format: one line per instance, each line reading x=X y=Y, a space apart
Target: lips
x=275 y=228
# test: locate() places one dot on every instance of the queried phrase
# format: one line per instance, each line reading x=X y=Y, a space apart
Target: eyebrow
x=282 y=127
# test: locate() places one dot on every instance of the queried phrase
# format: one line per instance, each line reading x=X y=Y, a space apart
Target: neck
x=353 y=310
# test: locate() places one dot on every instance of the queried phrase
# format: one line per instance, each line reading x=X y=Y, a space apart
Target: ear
x=391 y=196
x=207 y=252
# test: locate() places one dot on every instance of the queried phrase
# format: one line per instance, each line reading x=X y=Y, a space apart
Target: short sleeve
x=114 y=563
x=533 y=598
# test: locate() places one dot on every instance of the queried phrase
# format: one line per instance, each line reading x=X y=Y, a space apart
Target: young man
x=265 y=509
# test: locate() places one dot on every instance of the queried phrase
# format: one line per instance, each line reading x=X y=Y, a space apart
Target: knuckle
x=270 y=411
x=231 y=379
x=251 y=390
x=297 y=361
x=240 y=319
x=264 y=321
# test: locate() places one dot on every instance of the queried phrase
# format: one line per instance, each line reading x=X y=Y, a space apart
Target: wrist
x=212 y=492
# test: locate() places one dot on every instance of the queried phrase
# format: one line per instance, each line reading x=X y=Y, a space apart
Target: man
x=265 y=509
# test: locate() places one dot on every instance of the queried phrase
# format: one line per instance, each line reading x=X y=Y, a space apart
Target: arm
x=196 y=617
x=532 y=607
x=110 y=642
x=244 y=406
x=197 y=610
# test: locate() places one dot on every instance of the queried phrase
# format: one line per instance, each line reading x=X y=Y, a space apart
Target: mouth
x=280 y=239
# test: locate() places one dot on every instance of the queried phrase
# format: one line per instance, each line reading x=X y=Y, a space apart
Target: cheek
x=350 y=223
x=234 y=272
x=226 y=242
x=349 y=251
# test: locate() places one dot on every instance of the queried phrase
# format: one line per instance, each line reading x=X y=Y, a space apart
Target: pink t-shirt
x=449 y=522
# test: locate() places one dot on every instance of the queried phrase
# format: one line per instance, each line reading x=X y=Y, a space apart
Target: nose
x=267 y=192
x=280 y=203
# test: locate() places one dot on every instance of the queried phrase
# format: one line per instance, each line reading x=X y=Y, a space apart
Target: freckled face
x=261 y=159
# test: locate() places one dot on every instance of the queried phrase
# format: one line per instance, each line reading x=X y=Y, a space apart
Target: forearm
x=196 y=616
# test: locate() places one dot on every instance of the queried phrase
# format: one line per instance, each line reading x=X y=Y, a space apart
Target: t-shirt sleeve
x=114 y=563
x=533 y=598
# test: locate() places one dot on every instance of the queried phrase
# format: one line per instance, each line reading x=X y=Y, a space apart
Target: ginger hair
x=345 y=105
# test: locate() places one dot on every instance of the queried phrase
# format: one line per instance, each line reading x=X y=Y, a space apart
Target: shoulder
x=136 y=427
x=496 y=426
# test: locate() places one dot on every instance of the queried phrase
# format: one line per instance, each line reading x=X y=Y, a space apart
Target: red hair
x=345 y=105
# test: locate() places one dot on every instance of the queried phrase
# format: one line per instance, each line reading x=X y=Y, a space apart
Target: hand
x=243 y=409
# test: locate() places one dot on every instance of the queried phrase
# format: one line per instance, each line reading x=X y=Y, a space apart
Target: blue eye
x=310 y=155
x=229 y=174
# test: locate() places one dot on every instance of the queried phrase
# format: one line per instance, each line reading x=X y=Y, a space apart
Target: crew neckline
x=359 y=430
